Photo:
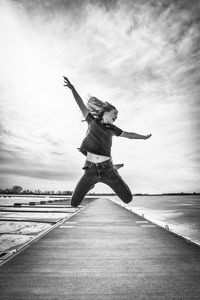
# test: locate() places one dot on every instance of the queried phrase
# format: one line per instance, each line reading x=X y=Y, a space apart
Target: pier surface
x=104 y=252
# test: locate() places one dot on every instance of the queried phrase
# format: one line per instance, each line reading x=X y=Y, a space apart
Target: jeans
x=102 y=172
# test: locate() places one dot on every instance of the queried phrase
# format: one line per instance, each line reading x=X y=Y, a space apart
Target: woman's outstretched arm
x=132 y=135
x=78 y=99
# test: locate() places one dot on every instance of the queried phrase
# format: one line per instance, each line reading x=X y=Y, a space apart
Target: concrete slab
x=106 y=254
x=30 y=209
x=28 y=219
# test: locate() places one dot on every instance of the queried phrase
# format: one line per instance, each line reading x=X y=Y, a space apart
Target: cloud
x=50 y=140
x=39 y=172
x=48 y=166
x=142 y=56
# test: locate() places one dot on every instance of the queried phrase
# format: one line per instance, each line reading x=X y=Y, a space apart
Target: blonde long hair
x=98 y=107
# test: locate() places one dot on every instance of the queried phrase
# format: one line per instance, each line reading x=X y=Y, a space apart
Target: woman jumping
x=96 y=146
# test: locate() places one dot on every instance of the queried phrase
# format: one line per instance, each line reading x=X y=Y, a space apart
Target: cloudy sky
x=143 y=56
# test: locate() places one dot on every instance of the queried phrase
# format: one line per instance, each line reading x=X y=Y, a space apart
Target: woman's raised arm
x=78 y=99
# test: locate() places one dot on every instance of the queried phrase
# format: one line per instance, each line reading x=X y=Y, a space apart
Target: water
x=11 y=199
x=180 y=213
x=14 y=235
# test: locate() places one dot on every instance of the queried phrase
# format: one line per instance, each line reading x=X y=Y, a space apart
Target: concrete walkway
x=104 y=252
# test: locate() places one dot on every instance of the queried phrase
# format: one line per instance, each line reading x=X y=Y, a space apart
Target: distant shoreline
x=94 y=194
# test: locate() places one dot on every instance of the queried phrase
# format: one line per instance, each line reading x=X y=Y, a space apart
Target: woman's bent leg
x=115 y=181
x=82 y=187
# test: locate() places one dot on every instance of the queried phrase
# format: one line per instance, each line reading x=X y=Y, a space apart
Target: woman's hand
x=147 y=136
x=67 y=83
